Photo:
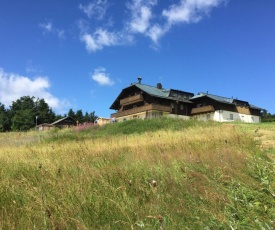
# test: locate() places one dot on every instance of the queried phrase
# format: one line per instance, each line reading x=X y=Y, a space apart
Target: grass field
x=153 y=174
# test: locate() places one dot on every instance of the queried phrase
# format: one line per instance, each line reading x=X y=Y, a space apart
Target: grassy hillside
x=154 y=174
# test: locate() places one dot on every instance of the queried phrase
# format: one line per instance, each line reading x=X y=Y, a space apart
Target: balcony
x=141 y=109
x=203 y=109
x=131 y=99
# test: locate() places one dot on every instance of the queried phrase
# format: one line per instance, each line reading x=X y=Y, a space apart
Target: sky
x=80 y=54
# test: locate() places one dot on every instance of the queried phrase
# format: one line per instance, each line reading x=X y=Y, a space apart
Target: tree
x=23 y=113
x=71 y=114
x=79 y=116
x=87 y=117
x=43 y=112
x=25 y=110
x=267 y=117
x=93 y=117
x=23 y=120
x=4 y=119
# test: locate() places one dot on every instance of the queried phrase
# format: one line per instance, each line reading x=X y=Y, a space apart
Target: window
x=208 y=117
x=181 y=107
x=172 y=105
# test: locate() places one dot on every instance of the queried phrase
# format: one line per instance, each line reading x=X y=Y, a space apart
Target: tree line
x=267 y=117
x=27 y=112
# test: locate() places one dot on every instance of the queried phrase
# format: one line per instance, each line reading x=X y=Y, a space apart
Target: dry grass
x=126 y=181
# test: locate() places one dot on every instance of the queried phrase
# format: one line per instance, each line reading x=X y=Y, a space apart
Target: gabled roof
x=225 y=100
x=214 y=97
x=62 y=119
x=155 y=92
x=45 y=125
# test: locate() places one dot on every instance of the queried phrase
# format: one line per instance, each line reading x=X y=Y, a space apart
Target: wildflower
x=160 y=218
x=154 y=183
x=48 y=213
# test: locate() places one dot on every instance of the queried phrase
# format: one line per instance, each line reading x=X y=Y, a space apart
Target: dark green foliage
x=78 y=116
x=4 y=119
x=43 y=112
x=23 y=113
x=27 y=112
x=267 y=117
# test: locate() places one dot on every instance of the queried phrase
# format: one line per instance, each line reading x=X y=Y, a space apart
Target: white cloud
x=14 y=86
x=101 y=77
x=156 y=32
x=144 y=20
x=96 y=9
x=141 y=14
x=101 y=38
x=189 y=11
x=48 y=27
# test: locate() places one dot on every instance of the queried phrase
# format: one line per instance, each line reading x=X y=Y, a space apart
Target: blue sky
x=81 y=54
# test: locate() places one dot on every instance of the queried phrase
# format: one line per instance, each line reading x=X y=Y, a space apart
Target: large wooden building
x=211 y=107
x=144 y=101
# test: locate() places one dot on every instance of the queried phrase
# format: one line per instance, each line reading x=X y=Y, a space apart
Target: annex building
x=145 y=102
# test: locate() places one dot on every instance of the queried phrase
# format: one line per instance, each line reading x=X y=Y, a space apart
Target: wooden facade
x=217 y=103
x=143 y=101
x=65 y=122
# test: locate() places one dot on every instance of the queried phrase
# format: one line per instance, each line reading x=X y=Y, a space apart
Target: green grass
x=154 y=174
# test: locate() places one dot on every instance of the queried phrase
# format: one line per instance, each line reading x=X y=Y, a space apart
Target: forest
x=27 y=112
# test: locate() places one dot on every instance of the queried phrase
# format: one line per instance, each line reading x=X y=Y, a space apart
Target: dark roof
x=156 y=92
x=224 y=100
x=62 y=119
x=214 y=97
x=45 y=124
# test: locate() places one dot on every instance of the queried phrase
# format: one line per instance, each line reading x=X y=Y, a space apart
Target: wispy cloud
x=31 y=69
x=144 y=19
x=13 y=86
x=189 y=11
x=141 y=14
x=102 y=37
x=46 y=26
x=49 y=28
x=102 y=77
x=96 y=9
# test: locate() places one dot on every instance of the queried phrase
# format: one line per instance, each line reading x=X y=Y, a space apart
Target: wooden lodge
x=144 y=101
x=65 y=122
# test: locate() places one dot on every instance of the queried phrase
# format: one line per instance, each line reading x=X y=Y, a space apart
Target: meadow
x=153 y=174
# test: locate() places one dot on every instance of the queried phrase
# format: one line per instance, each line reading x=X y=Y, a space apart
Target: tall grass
x=157 y=174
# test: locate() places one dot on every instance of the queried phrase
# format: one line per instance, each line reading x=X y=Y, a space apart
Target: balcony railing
x=203 y=109
x=141 y=109
x=131 y=99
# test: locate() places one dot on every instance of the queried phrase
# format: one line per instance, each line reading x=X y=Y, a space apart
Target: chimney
x=159 y=86
x=139 y=80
